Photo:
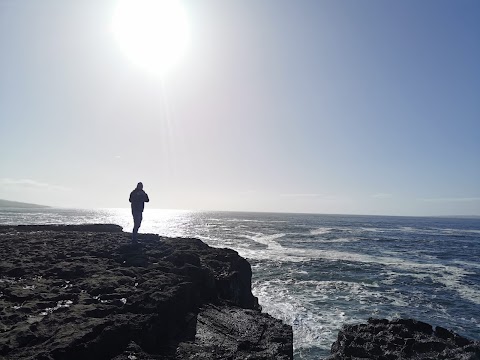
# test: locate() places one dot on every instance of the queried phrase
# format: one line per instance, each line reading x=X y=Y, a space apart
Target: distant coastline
x=22 y=205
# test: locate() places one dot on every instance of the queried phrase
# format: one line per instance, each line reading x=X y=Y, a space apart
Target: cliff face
x=88 y=293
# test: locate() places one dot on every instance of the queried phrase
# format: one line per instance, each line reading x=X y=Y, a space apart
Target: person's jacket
x=138 y=198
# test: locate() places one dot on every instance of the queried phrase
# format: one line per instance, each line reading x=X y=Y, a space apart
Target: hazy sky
x=358 y=107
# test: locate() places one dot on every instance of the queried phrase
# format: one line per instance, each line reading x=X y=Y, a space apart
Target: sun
x=153 y=34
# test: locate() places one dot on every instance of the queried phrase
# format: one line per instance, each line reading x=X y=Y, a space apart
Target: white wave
x=309 y=326
x=339 y=240
x=450 y=276
x=438 y=231
x=303 y=272
x=307 y=306
x=458 y=231
x=268 y=240
x=267 y=255
x=252 y=221
x=321 y=231
x=468 y=263
x=409 y=229
x=372 y=229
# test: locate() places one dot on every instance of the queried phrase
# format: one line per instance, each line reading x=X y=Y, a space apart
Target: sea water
x=319 y=272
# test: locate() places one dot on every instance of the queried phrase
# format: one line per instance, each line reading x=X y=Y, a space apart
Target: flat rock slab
x=90 y=293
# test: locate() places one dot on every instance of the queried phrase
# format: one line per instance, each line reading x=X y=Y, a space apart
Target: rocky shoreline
x=88 y=292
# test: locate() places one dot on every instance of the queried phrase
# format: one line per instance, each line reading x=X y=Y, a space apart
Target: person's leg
x=137 y=221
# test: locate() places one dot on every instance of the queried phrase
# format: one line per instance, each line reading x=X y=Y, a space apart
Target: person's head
x=139 y=186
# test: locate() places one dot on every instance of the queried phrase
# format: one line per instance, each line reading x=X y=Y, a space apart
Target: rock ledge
x=87 y=292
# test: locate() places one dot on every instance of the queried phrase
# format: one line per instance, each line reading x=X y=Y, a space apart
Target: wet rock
x=401 y=339
x=87 y=292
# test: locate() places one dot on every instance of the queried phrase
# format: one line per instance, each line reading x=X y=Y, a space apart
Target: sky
x=317 y=106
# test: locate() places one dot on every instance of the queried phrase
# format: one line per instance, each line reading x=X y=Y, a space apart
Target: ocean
x=319 y=272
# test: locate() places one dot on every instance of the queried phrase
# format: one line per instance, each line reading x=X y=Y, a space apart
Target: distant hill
x=16 y=204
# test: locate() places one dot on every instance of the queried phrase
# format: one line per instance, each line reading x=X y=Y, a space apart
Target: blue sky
x=358 y=107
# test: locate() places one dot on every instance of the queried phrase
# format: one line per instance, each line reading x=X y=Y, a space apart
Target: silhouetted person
x=138 y=198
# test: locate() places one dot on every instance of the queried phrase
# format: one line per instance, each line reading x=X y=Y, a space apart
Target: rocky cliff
x=87 y=292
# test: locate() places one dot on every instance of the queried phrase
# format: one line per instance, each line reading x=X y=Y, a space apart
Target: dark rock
x=15 y=272
x=401 y=339
x=87 y=292
x=443 y=333
x=228 y=333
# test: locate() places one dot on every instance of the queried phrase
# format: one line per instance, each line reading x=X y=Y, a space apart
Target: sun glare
x=154 y=34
